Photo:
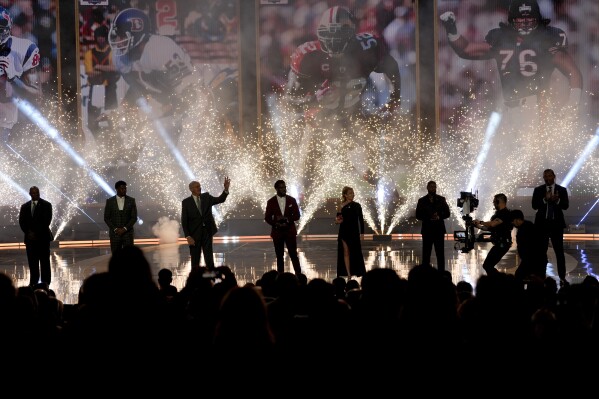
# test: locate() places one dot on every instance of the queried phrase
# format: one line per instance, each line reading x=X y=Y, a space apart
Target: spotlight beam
x=14 y=184
x=590 y=147
x=52 y=184
x=586 y=214
x=484 y=151
x=165 y=136
x=36 y=117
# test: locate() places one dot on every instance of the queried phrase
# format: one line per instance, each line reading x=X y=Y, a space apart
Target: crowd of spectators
x=284 y=330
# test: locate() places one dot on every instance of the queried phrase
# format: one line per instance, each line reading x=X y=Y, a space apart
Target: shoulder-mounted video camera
x=468 y=202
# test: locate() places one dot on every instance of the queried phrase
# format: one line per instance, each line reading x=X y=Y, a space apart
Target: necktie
x=198 y=204
x=550 y=205
x=33 y=205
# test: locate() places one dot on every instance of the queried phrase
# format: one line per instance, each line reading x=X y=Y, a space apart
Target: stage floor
x=250 y=257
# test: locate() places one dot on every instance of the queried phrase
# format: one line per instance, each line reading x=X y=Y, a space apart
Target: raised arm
x=462 y=47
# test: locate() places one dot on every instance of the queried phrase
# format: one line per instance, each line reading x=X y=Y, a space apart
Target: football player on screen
x=154 y=66
x=19 y=77
x=331 y=75
x=526 y=50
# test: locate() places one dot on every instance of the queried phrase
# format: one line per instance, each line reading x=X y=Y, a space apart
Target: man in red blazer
x=281 y=213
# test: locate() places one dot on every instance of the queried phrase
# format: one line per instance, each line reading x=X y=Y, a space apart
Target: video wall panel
x=337 y=91
x=329 y=118
x=148 y=49
x=289 y=28
x=517 y=85
x=28 y=53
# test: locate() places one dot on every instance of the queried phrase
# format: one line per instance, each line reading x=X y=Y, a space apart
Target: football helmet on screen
x=336 y=28
x=5 y=25
x=524 y=15
x=128 y=29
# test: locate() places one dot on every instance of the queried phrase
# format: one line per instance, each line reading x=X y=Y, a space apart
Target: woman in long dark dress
x=350 y=260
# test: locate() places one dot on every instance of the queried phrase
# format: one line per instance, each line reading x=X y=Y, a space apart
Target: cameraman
x=500 y=227
x=281 y=213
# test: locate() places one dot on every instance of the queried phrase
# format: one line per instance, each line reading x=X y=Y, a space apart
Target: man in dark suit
x=120 y=214
x=530 y=247
x=34 y=219
x=281 y=213
x=198 y=222
x=432 y=210
x=550 y=200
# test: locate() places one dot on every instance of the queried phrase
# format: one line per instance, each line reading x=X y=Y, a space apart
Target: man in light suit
x=34 y=219
x=120 y=214
x=550 y=200
x=281 y=213
x=198 y=222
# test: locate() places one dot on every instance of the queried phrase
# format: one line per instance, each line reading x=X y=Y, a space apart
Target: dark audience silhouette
x=394 y=331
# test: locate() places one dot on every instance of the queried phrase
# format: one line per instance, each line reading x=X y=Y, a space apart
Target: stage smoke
x=166 y=230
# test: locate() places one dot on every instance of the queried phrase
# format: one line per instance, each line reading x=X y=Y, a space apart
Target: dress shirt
x=120 y=202
x=282 y=201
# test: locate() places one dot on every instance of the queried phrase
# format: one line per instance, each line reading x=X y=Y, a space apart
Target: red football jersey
x=346 y=74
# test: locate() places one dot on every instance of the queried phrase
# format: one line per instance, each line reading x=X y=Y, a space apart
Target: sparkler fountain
x=316 y=160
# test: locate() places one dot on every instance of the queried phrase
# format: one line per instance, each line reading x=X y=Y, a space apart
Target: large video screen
x=517 y=94
x=337 y=90
x=28 y=51
x=159 y=84
x=159 y=95
x=28 y=88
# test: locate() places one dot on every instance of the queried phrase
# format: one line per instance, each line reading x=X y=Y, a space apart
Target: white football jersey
x=19 y=55
x=163 y=67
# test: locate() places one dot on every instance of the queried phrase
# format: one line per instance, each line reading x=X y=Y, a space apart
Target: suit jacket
x=192 y=220
x=425 y=210
x=273 y=214
x=38 y=223
x=529 y=243
x=539 y=204
x=115 y=218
